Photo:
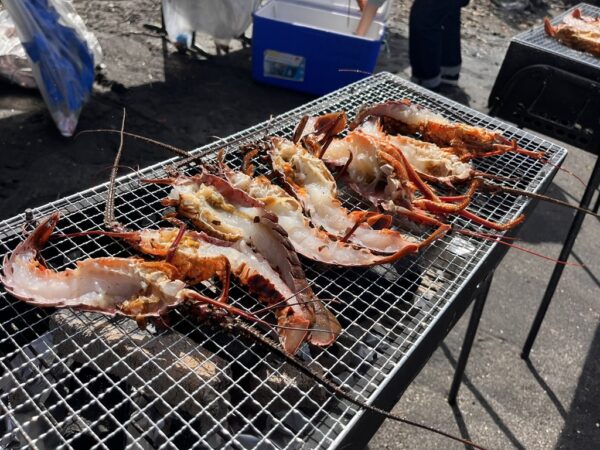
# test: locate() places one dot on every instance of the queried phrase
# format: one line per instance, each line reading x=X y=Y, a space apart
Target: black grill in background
x=549 y=87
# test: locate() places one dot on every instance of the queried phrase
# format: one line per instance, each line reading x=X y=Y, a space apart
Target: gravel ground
x=505 y=402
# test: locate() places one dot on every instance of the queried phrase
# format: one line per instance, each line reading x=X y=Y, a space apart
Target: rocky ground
x=187 y=101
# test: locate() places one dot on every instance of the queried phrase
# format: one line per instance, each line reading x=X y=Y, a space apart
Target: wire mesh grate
x=71 y=379
x=537 y=37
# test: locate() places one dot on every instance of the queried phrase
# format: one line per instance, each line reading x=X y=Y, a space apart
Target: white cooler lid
x=345 y=7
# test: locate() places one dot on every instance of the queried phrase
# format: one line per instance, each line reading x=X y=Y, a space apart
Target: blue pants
x=434 y=39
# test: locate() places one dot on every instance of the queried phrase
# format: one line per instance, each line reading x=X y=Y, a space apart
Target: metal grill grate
x=93 y=381
x=537 y=37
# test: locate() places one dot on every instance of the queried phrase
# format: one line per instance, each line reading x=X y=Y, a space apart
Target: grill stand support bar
x=592 y=185
x=465 y=351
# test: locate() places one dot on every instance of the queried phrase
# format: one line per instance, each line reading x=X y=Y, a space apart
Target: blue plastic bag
x=62 y=54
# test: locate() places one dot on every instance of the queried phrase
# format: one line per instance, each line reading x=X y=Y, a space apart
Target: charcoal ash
x=169 y=372
x=127 y=352
x=23 y=391
x=274 y=381
x=254 y=442
x=79 y=402
x=278 y=400
x=90 y=380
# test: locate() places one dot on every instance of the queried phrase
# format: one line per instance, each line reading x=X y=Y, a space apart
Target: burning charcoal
x=154 y=426
x=288 y=398
x=25 y=392
x=169 y=366
x=77 y=428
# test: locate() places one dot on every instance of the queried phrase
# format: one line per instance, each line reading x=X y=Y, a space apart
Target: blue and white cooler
x=310 y=45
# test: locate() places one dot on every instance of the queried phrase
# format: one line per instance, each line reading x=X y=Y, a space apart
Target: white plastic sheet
x=221 y=19
x=14 y=64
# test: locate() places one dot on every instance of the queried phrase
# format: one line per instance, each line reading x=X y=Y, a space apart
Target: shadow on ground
x=466 y=383
x=183 y=110
x=551 y=222
x=582 y=421
x=581 y=429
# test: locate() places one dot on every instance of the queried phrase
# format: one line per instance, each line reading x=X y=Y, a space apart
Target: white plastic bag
x=221 y=19
x=14 y=64
x=63 y=62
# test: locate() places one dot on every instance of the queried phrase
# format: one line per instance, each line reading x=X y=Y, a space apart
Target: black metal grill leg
x=469 y=338
x=564 y=255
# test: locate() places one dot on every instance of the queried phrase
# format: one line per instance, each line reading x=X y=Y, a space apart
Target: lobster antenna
x=500 y=240
x=109 y=212
x=303 y=302
x=268 y=126
x=495 y=188
x=331 y=386
x=247 y=166
x=179 y=151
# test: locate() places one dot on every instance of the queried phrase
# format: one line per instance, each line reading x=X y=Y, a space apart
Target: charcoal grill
x=63 y=385
x=549 y=87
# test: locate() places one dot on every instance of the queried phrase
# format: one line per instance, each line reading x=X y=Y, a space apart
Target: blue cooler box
x=310 y=45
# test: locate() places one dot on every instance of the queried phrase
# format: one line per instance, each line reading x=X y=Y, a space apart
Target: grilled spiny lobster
x=577 y=31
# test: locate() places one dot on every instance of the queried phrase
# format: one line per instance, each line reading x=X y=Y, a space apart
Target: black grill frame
x=537 y=37
x=424 y=311
x=549 y=87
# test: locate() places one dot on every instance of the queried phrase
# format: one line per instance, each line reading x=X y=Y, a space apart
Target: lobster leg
x=379 y=221
x=437 y=234
x=247 y=166
x=300 y=129
x=175 y=244
x=372 y=218
x=343 y=170
x=448 y=208
x=195 y=297
x=441 y=230
x=418 y=216
x=413 y=176
x=550 y=30
x=361 y=219
x=332 y=130
x=452 y=198
x=499 y=150
x=493 y=225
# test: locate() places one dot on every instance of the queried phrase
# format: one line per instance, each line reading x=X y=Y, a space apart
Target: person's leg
x=425 y=40
x=451 y=55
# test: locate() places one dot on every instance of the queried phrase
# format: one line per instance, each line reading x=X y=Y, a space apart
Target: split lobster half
x=138 y=289
x=465 y=141
x=379 y=170
x=225 y=212
x=128 y=287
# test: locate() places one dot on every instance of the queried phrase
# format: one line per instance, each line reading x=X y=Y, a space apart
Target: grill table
x=394 y=317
